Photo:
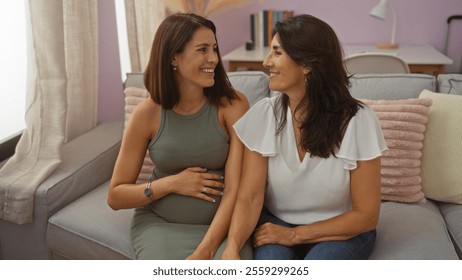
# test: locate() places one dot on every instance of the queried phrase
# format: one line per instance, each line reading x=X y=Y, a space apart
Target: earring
x=174 y=68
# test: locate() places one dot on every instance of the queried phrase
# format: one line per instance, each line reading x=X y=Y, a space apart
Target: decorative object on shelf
x=380 y=12
x=204 y=7
x=249 y=45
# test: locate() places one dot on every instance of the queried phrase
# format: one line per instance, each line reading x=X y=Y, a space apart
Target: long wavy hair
x=171 y=37
x=328 y=103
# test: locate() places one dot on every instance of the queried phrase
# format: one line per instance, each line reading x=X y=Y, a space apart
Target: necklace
x=188 y=111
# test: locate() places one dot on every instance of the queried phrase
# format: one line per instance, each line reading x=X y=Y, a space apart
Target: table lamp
x=380 y=12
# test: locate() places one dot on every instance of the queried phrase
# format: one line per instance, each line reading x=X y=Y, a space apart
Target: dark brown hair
x=311 y=42
x=171 y=37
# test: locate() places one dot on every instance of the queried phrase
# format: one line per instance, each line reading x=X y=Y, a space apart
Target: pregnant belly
x=185 y=210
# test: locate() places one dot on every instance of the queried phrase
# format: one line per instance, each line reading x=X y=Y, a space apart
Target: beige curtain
x=62 y=94
x=143 y=17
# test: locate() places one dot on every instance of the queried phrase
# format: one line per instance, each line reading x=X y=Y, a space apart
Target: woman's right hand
x=197 y=182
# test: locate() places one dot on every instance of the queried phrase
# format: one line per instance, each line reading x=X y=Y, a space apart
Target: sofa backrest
x=391 y=86
x=134 y=80
x=450 y=83
x=253 y=84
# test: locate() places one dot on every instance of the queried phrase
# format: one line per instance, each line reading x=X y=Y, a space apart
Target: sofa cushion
x=253 y=84
x=390 y=86
x=441 y=163
x=95 y=150
x=88 y=229
x=412 y=232
x=403 y=124
x=450 y=83
x=452 y=214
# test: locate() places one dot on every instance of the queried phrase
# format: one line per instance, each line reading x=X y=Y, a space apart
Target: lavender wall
x=419 y=21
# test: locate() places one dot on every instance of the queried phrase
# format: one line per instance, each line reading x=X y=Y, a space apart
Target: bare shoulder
x=237 y=106
x=242 y=98
x=146 y=109
x=232 y=111
x=145 y=117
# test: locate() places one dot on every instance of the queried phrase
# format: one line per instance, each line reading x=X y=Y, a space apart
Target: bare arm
x=363 y=217
x=220 y=224
x=249 y=203
x=123 y=192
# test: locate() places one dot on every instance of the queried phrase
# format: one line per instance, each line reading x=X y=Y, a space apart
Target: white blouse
x=315 y=189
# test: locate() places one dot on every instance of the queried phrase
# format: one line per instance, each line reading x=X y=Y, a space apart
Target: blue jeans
x=356 y=248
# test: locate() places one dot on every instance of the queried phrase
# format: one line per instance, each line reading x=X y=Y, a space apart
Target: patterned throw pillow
x=403 y=124
x=133 y=96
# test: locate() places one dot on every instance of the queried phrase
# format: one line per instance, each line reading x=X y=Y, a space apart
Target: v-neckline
x=294 y=138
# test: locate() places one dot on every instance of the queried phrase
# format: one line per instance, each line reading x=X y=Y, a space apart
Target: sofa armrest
x=452 y=214
x=87 y=162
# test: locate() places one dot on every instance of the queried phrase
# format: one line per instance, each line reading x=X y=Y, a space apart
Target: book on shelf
x=262 y=25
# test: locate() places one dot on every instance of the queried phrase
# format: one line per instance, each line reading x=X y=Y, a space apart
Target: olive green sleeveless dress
x=172 y=227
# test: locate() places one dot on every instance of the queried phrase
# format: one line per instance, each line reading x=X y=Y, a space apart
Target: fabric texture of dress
x=173 y=226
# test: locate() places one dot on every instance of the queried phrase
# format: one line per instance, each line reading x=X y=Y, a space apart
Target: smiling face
x=196 y=63
x=285 y=75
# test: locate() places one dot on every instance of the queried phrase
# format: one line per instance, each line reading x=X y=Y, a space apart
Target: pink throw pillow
x=133 y=96
x=403 y=124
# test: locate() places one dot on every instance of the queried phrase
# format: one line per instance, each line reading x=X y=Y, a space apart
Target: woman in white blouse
x=310 y=185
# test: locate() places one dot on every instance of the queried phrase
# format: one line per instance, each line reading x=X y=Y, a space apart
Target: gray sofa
x=73 y=221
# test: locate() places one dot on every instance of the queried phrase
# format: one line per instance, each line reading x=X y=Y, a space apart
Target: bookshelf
x=262 y=24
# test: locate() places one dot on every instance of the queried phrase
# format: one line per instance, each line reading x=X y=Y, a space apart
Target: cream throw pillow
x=403 y=124
x=133 y=96
x=442 y=152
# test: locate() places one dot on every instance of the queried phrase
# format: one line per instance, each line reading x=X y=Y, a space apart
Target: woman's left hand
x=269 y=233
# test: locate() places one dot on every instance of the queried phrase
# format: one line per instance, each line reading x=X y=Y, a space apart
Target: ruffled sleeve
x=363 y=139
x=257 y=128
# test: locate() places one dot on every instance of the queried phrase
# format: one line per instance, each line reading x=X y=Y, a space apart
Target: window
x=13 y=67
x=125 y=65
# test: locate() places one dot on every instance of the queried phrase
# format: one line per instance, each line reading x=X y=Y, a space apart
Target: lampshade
x=380 y=12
